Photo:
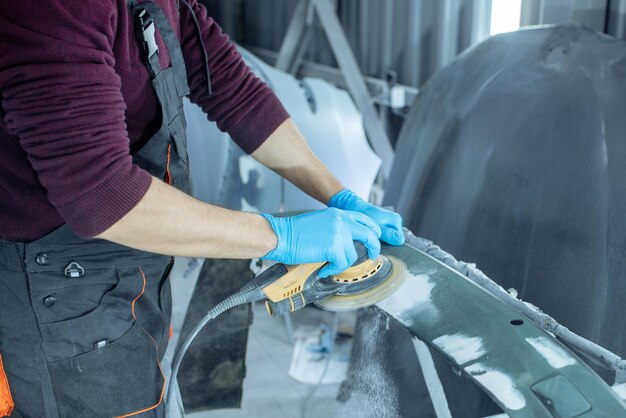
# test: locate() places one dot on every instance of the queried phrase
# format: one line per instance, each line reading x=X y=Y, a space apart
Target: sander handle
x=290 y=288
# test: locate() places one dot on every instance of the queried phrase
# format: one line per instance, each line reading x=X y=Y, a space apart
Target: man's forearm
x=167 y=221
x=287 y=153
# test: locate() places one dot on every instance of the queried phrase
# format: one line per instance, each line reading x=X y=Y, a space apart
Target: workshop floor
x=268 y=390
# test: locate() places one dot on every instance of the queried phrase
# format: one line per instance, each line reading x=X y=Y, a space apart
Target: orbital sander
x=287 y=288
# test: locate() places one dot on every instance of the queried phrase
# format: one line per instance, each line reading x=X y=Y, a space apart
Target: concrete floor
x=268 y=390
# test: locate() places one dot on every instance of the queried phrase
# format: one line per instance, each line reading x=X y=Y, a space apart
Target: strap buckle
x=74 y=270
x=145 y=27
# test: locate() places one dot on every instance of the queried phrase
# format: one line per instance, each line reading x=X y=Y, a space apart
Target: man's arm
x=71 y=126
x=248 y=110
x=287 y=153
x=168 y=221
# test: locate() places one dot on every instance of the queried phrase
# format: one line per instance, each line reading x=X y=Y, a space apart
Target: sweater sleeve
x=62 y=98
x=241 y=104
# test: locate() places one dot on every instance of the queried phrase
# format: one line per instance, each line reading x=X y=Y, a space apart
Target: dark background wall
x=413 y=38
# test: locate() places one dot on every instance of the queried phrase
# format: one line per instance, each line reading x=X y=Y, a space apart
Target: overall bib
x=84 y=323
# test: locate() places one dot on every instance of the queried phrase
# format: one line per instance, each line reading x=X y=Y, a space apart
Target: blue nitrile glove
x=390 y=222
x=323 y=235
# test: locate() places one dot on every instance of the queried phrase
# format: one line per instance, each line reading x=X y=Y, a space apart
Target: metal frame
x=380 y=89
x=294 y=46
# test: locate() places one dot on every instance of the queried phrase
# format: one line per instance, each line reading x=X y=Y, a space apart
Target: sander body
x=287 y=288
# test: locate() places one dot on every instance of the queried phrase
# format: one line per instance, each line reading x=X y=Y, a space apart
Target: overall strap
x=147 y=16
x=132 y=3
x=143 y=19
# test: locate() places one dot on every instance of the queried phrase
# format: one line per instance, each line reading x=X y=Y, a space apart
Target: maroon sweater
x=76 y=98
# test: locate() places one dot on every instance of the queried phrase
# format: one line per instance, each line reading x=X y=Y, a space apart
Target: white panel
x=222 y=174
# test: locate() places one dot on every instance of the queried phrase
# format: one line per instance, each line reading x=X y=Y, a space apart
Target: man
x=93 y=175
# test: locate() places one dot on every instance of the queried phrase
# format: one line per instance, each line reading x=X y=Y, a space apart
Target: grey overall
x=84 y=323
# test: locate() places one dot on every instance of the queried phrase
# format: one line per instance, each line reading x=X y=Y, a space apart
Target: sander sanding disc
x=342 y=303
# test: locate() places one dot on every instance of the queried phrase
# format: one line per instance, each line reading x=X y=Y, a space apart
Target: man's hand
x=390 y=222
x=324 y=235
x=287 y=153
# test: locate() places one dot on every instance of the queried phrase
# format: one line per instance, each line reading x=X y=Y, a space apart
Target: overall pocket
x=98 y=330
x=69 y=326
x=119 y=379
x=152 y=308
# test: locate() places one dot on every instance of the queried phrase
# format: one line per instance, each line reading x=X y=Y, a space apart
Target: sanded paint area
x=522 y=368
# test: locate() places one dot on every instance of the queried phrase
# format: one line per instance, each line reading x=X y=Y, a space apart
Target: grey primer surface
x=514 y=157
x=525 y=370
